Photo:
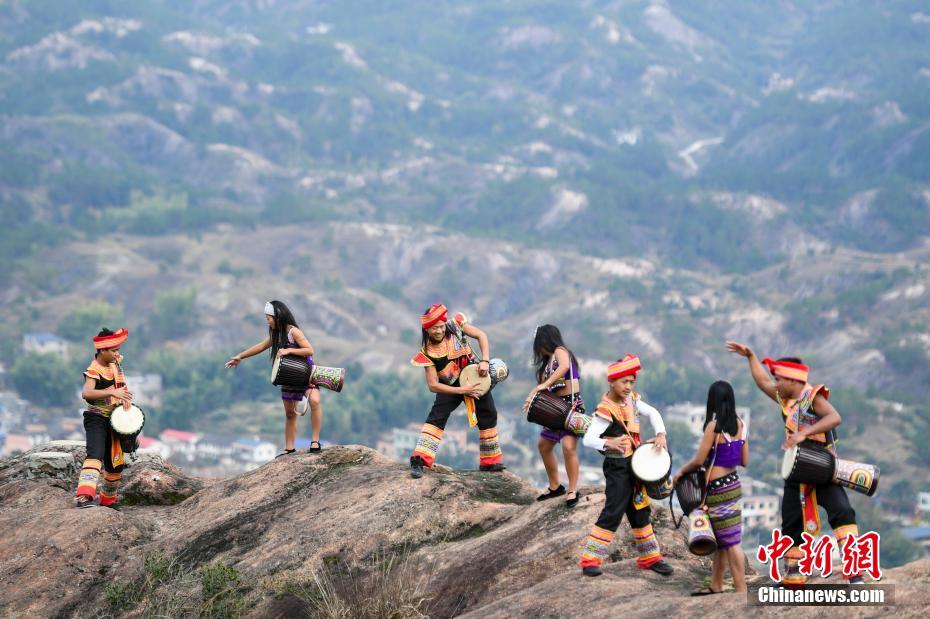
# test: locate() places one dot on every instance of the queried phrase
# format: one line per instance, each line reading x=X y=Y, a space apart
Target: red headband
x=628 y=366
x=111 y=341
x=434 y=315
x=787 y=369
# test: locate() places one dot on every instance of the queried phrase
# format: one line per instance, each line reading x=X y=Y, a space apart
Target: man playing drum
x=614 y=431
x=104 y=390
x=443 y=355
x=808 y=416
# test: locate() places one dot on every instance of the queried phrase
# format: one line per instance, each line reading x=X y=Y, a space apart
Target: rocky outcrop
x=468 y=542
x=148 y=480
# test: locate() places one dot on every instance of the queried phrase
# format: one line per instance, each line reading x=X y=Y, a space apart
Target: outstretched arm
x=755 y=367
x=249 y=352
x=707 y=441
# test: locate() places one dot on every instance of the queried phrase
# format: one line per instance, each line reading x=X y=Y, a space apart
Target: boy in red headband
x=443 y=355
x=614 y=431
x=808 y=416
x=104 y=390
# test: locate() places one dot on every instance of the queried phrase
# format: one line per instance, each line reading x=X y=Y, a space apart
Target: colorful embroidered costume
x=449 y=357
x=799 y=507
x=104 y=453
x=624 y=493
x=724 y=493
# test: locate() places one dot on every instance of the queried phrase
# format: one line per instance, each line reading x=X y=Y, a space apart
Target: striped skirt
x=723 y=507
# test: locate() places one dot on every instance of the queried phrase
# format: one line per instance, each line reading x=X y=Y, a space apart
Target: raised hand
x=740 y=349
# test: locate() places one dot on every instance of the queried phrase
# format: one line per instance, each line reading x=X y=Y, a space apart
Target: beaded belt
x=723 y=481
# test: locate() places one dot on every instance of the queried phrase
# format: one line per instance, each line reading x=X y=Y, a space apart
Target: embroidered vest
x=449 y=356
x=800 y=413
x=620 y=416
x=104 y=379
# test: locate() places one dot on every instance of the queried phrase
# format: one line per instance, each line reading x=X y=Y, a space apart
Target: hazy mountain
x=652 y=176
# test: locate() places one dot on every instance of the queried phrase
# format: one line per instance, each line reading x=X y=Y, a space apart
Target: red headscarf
x=111 y=341
x=434 y=315
x=787 y=369
x=628 y=366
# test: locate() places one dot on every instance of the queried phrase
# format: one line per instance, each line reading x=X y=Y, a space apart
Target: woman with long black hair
x=557 y=373
x=723 y=447
x=286 y=338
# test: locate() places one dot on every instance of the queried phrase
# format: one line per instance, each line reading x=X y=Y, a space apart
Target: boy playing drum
x=104 y=390
x=614 y=431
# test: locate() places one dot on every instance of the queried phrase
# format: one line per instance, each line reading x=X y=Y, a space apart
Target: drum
x=329 y=378
x=549 y=411
x=857 y=476
x=127 y=423
x=701 y=540
x=653 y=468
x=469 y=376
x=806 y=463
x=498 y=371
x=291 y=371
x=577 y=422
x=690 y=490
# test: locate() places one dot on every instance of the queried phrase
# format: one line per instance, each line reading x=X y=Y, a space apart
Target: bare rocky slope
x=292 y=536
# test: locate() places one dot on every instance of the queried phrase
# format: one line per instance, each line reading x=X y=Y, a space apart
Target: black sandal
x=572 y=502
x=704 y=592
x=551 y=494
x=316 y=449
x=286 y=452
x=84 y=501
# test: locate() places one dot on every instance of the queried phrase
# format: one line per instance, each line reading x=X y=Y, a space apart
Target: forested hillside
x=651 y=176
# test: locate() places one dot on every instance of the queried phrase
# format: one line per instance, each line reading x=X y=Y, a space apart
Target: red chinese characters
x=860 y=554
x=818 y=554
x=773 y=552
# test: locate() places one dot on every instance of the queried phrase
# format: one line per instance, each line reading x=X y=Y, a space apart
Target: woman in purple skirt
x=557 y=372
x=723 y=447
x=286 y=338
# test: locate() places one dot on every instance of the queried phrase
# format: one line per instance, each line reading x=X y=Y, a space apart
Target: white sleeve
x=592 y=437
x=655 y=419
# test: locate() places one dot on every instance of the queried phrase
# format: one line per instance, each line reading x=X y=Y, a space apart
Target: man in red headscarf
x=104 y=390
x=615 y=432
x=443 y=355
x=808 y=417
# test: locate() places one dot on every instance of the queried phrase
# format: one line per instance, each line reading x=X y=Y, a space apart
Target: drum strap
x=703 y=493
x=639 y=489
x=570 y=374
x=707 y=477
x=571 y=380
x=117 y=457
x=470 y=411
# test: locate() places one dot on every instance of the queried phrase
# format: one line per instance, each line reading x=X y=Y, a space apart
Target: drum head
x=787 y=463
x=649 y=464
x=274 y=368
x=127 y=421
x=469 y=377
